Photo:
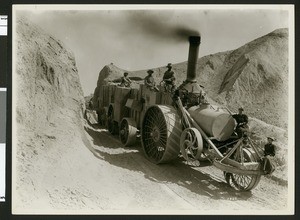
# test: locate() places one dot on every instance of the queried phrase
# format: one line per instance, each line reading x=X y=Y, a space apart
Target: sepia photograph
x=153 y=109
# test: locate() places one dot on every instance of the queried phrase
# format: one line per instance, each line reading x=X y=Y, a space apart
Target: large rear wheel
x=243 y=182
x=161 y=129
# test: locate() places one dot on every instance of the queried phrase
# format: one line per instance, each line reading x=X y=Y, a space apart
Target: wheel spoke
x=151 y=148
x=191 y=144
x=162 y=144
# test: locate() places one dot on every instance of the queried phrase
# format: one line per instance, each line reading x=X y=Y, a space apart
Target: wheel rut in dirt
x=177 y=172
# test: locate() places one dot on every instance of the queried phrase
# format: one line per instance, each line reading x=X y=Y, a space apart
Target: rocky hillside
x=254 y=76
x=49 y=106
x=46 y=78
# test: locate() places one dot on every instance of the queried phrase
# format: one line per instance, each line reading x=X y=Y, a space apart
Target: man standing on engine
x=242 y=122
x=169 y=78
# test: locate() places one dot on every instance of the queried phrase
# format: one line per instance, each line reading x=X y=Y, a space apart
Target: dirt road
x=92 y=172
x=137 y=184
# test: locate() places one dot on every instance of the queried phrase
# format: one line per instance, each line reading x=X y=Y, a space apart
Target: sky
x=149 y=37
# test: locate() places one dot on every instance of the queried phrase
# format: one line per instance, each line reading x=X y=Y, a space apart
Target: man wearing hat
x=169 y=78
x=269 y=153
x=242 y=121
x=270 y=147
x=149 y=81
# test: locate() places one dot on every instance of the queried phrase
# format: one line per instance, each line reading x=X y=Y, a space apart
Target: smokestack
x=193 y=58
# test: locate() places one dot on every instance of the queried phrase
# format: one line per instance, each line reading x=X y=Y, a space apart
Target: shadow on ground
x=110 y=149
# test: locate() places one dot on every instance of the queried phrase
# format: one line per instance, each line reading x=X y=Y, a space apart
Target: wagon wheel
x=112 y=126
x=160 y=134
x=128 y=131
x=191 y=144
x=102 y=117
x=243 y=182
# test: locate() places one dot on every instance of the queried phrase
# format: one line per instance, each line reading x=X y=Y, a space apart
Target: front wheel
x=243 y=182
x=191 y=144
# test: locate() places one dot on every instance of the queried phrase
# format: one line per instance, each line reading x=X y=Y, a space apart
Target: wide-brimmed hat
x=240 y=108
x=169 y=65
x=150 y=71
x=271 y=138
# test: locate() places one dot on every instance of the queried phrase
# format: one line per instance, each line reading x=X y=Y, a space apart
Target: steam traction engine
x=168 y=128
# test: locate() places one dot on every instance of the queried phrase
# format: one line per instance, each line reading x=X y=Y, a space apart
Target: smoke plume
x=155 y=27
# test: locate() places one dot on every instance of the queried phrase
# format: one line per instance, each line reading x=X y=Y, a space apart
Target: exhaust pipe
x=193 y=58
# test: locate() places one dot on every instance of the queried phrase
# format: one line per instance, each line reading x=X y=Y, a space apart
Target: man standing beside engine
x=269 y=154
x=270 y=147
x=242 y=122
x=169 y=79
